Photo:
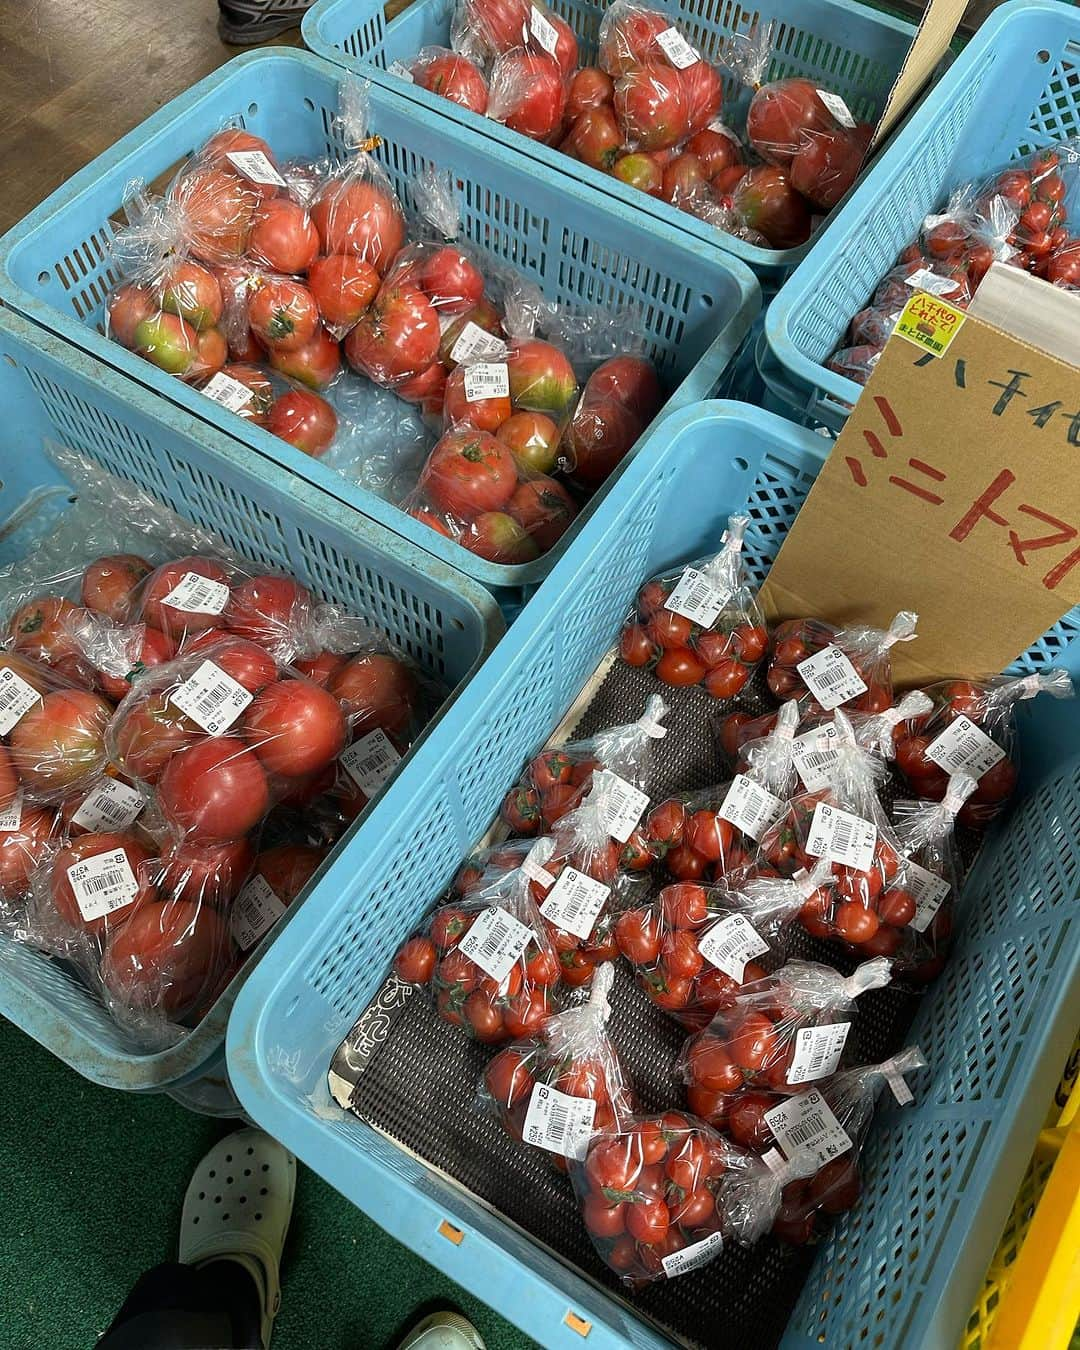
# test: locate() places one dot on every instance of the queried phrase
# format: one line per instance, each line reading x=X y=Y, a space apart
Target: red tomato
x=167 y=956
x=283 y=314
x=320 y=669
x=544 y=509
x=704 y=94
x=415 y=961
x=376 y=690
x=288 y=868
x=147 y=735
x=715 y=151
x=109 y=583
x=533 y=439
x=361 y=218
x=679 y=666
x=541 y=377
x=668 y=629
x=825 y=166
x=22 y=849
x=469 y=473
x=527 y=1012
x=638 y=935
x=213 y=875
x=154 y=650
x=270 y=611
x=683 y=181
x=783 y=116
x=527 y=93
x=765 y=200
x=601 y=434
x=589 y=88
x=175 y=622
x=684 y=905
x=453 y=77
x=60 y=741
x=214 y=791
x=343 y=286
x=193 y=293
x=665 y=824
x=897 y=907
x=316 y=363
x=295 y=728
x=451 y=281
x=218 y=206
x=217 y=149
x=594 y=138
x=64 y=897
x=396 y=338
x=283 y=237
x=640 y=170
x=41 y=629
x=650 y=103
x=127 y=307
x=305 y=420
x=754 y=1045
x=484 y=315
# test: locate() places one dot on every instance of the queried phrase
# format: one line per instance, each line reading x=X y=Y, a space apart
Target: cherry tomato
x=484 y=1018
x=665 y=824
x=635 y=646
x=710 y=835
x=670 y=992
x=855 y=923
x=685 y=864
x=897 y=907
x=638 y=935
x=651 y=597
x=712 y=1067
x=542 y=968
x=754 y=1045
x=527 y=1012
x=679 y=666
x=684 y=905
x=687 y=1164
x=415 y=961
x=603 y=1219
x=651 y=1144
x=648 y=1221
x=680 y=955
x=614 y=1164
x=726 y=679
x=449 y=926
x=745 y=1122
x=508 y=1078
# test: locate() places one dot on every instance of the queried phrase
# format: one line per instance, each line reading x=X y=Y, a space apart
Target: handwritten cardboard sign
x=954 y=490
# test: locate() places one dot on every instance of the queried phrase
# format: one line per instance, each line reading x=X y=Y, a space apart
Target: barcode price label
x=558 y=1122
x=476 y=341
x=689 y=1258
x=676 y=48
x=370 y=761
x=211 y=698
x=103 y=884
x=837 y=107
x=841 y=837
x=749 y=807
x=697 y=598
x=544 y=31
x=831 y=677
x=805 y=1122
x=401 y=71
x=255 y=167
x=925 y=280
x=964 y=748
x=930 y=892
x=198 y=595
x=230 y=393
x=730 y=943
x=16 y=699
x=817 y=1052
x=495 y=941
x=255 y=911
x=623 y=806
x=11 y=815
x=112 y=805
x=487 y=379
x=575 y=901
x=814 y=755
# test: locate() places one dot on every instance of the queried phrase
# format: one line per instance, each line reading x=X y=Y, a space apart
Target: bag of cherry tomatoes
x=837 y=667
x=558 y=779
x=700 y=625
x=926 y=832
x=814 y=750
x=695 y=946
x=972 y=729
x=486 y=961
x=811 y=1142
x=565 y=1084
x=649 y=1191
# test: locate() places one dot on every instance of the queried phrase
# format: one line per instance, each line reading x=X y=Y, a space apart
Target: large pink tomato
x=295 y=727
x=214 y=791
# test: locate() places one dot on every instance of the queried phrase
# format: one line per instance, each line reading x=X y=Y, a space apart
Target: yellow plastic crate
x=1031 y=1298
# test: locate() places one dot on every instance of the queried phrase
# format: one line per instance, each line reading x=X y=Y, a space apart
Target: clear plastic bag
x=972 y=729
x=814 y=750
x=486 y=961
x=565 y=1084
x=701 y=624
x=621 y=397
x=695 y=946
x=527 y=93
x=838 y=667
x=451 y=75
x=781 y=1032
x=557 y=779
x=812 y=1142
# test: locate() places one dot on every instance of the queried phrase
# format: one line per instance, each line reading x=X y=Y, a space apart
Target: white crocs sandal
x=238 y=1204
x=443 y=1331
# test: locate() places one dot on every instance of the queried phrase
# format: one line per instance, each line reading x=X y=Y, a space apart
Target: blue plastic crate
x=696 y=304
x=49 y=392
x=902 y=1269
x=1014 y=89
x=857 y=51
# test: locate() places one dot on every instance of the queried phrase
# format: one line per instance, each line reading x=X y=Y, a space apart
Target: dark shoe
x=243 y=22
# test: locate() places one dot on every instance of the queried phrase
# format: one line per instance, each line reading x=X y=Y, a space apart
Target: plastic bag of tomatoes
x=837 y=667
x=700 y=625
x=972 y=729
x=695 y=946
x=557 y=1089
x=558 y=779
x=486 y=961
x=867 y=903
x=811 y=1143
x=814 y=750
x=782 y=1031
x=620 y=398
x=926 y=832
x=452 y=75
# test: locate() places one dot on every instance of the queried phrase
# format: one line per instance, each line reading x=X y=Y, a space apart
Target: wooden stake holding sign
x=953 y=490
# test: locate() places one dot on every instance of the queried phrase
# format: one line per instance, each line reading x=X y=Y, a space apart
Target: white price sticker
x=689 y=1258
x=841 y=837
x=925 y=280
x=103 y=884
x=543 y=30
x=831 y=677
x=558 y=1122
x=837 y=107
x=749 y=807
x=677 y=50
x=255 y=911
x=697 y=598
x=112 y=805
x=814 y=754
x=574 y=902
x=964 y=748
x=495 y=941
x=730 y=943
x=487 y=379
x=930 y=892
x=817 y=1052
x=254 y=165
x=805 y=1122
x=401 y=71
x=623 y=806
x=476 y=341
x=370 y=761
x=230 y=393
x=16 y=698
x=211 y=698
x=198 y=595
x=11 y=815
